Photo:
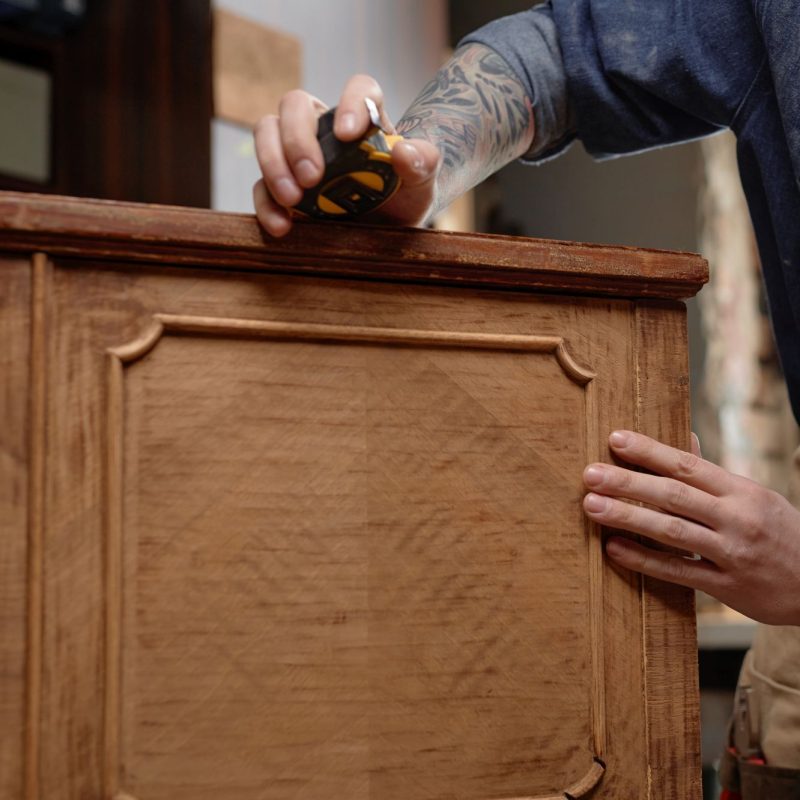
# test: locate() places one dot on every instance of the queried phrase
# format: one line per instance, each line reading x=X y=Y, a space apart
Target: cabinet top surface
x=168 y=235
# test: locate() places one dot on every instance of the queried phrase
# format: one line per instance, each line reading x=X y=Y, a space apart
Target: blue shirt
x=630 y=75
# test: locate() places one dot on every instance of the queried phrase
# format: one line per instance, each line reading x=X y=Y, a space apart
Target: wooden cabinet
x=302 y=519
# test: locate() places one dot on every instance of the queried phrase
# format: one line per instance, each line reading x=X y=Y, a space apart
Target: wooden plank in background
x=254 y=66
x=670 y=636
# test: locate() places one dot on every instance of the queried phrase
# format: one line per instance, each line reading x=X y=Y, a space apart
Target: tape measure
x=359 y=176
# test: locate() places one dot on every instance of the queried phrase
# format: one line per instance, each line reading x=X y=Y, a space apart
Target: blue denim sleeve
x=646 y=73
x=629 y=75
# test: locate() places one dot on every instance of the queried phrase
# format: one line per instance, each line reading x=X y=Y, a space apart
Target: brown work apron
x=766 y=719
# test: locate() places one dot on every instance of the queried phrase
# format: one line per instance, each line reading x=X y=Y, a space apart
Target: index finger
x=641 y=450
x=352 y=116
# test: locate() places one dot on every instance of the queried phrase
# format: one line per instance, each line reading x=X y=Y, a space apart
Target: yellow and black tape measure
x=359 y=176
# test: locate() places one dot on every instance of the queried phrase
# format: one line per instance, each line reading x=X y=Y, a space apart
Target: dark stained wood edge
x=17 y=563
x=672 y=698
x=40 y=286
x=64 y=226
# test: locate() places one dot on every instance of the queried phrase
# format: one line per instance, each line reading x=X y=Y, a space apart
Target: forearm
x=477 y=113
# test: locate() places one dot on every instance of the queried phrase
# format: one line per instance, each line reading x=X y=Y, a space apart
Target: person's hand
x=742 y=541
x=291 y=159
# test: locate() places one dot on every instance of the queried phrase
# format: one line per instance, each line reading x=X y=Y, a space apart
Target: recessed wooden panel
x=339 y=600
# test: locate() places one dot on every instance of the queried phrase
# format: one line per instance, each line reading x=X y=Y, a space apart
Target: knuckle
x=292 y=98
x=774 y=505
x=619 y=514
x=687 y=464
x=679 y=568
x=726 y=587
x=746 y=557
x=676 y=530
x=265 y=124
x=649 y=564
x=729 y=551
x=722 y=581
x=292 y=143
x=369 y=84
x=752 y=519
x=622 y=478
x=677 y=494
x=714 y=507
x=623 y=513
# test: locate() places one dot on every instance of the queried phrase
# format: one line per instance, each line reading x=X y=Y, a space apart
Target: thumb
x=416 y=163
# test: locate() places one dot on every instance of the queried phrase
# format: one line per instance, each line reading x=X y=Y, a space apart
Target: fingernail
x=287 y=191
x=306 y=171
x=417 y=161
x=594 y=476
x=347 y=123
x=595 y=503
x=615 y=547
x=619 y=439
x=279 y=226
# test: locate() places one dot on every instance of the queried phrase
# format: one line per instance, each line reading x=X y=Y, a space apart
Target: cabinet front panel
x=311 y=537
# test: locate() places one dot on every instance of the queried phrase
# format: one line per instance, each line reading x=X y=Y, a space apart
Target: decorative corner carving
x=579 y=374
x=580 y=789
x=589 y=781
x=141 y=346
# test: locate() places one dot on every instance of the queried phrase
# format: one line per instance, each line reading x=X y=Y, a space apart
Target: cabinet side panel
x=15 y=305
x=669 y=614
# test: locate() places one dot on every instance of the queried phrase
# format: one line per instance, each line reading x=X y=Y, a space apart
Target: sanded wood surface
x=15 y=468
x=290 y=535
x=663 y=413
x=135 y=232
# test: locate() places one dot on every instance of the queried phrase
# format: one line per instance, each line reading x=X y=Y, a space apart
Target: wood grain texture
x=15 y=333
x=360 y=673
x=662 y=380
x=101 y=229
x=40 y=280
x=305 y=535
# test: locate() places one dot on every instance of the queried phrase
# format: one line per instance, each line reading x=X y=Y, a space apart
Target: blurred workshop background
x=151 y=101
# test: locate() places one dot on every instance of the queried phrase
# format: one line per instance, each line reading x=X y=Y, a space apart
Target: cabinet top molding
x=107 y=230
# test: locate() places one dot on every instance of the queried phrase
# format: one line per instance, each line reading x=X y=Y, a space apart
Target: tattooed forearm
x=478 y=114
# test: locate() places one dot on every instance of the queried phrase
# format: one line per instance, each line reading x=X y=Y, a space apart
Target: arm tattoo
x=477 y=112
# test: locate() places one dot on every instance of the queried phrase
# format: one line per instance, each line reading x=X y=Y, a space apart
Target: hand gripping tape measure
x=359 y=176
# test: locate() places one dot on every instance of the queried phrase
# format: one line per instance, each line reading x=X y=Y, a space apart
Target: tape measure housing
x=359 y=176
